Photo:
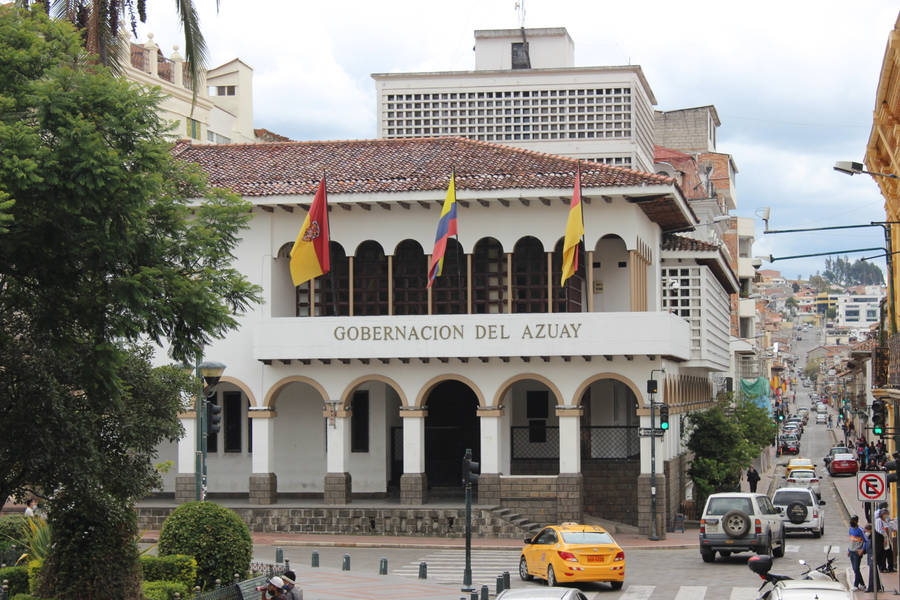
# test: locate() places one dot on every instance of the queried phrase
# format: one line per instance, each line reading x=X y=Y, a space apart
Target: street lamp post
x=652 y=389
x=210 y=373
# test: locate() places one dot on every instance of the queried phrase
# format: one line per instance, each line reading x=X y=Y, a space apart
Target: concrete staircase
x=512 y=518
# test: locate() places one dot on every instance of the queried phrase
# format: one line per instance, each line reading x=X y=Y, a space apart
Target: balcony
x=470 y=336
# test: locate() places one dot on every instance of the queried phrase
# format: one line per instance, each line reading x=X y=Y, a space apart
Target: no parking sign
x=871 y=486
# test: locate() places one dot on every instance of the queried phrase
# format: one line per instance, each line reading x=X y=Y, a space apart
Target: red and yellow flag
x=574 y=232
x=310 y=256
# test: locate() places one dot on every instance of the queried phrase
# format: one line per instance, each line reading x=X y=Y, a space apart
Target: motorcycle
x=762 y=565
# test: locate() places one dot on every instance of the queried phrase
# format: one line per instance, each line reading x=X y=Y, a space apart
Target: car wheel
x=708 y=556
x=779 y=552
x=736 y=523
x=616 y=585
x=523 y=570
x=551 y=576
x=796 y=512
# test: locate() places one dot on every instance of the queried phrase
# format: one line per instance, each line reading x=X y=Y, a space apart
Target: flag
x=310 y=256
x=574 y=232
x=446 y=227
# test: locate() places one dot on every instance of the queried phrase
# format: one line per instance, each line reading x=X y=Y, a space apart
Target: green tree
x=112 y=241
x=791 y=304
x=811 y=370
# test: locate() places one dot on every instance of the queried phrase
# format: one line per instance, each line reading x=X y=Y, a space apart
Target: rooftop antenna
x=520 y=9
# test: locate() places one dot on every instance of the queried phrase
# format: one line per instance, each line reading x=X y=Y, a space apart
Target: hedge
x=173 y=567
x=164 y=590
x=11 y=527
x=17 y=578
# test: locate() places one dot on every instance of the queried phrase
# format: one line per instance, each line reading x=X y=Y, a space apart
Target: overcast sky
x=793 y=82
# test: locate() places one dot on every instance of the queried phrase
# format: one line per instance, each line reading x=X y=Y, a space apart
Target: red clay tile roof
x=264 y=135
x=678 y=243
x=401 y=165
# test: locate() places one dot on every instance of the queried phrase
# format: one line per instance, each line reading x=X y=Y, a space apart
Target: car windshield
x=720 y=506
x=586 y=537
x=835 y=451
x=844 y=457
x=785 y=497
x=803 y=474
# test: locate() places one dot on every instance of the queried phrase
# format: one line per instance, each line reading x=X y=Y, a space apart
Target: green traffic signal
x=664 y=417
x=878 y=430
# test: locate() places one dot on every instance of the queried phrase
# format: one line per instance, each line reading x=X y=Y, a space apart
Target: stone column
x=185 y=482
x=413 y=482
x=570 y=484
x=644 y=487
x=338 y=485
x=263 y=484
x=491 y=444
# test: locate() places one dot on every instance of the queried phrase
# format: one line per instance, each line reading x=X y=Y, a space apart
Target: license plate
x=594 y=558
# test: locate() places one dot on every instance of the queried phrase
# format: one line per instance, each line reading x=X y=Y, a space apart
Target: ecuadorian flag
x=446 y=227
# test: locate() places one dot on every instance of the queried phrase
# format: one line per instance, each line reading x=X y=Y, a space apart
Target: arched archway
x=610 y=447
x=488 y=277
x=410 y=275
x=451 y=427
x=370 y=280
x=532 y=446
x=611 y=268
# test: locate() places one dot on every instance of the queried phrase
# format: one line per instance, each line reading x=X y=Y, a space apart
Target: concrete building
x=527 y=92
x=222 y=112
x=365 y=384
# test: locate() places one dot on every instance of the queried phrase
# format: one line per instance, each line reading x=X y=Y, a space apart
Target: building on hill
x=366 y=383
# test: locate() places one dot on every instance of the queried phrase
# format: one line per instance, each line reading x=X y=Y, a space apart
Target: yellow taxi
x=572 y=552
x=798 y=463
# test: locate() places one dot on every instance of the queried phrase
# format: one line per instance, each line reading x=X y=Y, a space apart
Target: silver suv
x=740 y=522
x=801 y=508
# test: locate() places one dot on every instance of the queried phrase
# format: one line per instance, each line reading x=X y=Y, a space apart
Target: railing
x=607 y=442
x=165 y=68
x=138 y=58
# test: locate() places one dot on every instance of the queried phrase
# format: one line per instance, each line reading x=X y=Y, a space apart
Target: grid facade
x=694 y=294
x=527 y=115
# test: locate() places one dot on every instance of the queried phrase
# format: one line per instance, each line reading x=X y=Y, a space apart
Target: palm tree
x=98 y=20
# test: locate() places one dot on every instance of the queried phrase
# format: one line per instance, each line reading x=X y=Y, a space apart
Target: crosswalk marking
x=743 y=593
x=637 y=592
x=446 y=566
x=791 y=548
x=691 y=592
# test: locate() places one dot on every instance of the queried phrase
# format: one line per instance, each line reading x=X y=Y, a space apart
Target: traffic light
x=781 y=414
x=891 y=468
x=879 y=412
x=664 y=417
x=470 y=469
x=213 y=418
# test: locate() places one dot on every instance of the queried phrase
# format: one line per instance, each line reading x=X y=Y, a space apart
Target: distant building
x=222 y=112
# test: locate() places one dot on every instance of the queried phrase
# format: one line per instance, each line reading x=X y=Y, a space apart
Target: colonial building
x=364 y=383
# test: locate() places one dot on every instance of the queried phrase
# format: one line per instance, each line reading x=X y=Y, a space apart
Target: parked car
x=843 y=463
x=571 y=552
x=836 y=450
x=804 y=478
x=740 y=522
x=792 y=428
x=821 y=419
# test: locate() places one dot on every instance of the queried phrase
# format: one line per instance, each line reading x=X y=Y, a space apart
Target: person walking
x=874 y=579
x=31 y=507
x=752 y=478
x=856 y=550
x=886 y=527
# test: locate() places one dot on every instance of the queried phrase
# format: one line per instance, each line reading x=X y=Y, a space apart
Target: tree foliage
x=111 y=242
x=842 y=272
x=724 y=439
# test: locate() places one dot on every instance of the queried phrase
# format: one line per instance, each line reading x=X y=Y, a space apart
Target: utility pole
x=651 y=390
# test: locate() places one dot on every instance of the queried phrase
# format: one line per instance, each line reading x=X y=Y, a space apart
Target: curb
x=427 y=546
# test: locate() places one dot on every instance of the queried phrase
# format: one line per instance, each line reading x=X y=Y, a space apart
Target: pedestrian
x=887 y=529
x=874 y=579
x=274 y=588
x=752 y=478
x=855 y=550
x=31 y=507
x=292 y=591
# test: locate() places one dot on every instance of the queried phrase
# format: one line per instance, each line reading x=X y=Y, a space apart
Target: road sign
x=871 y=487
x=648 y=432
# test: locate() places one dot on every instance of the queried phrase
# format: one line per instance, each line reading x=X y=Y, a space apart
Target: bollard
x=287 y=564
x=177 y=596
x=423 y=570
x=218 y=583
x=279 y=555
x=382 y=567
x=485 y=593
x=315 y=558
x=473 y=596
x=499 y=583
x=196 y=590
x=505 y=580
x=345 y=566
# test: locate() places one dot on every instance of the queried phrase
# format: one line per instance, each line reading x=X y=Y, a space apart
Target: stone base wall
x=675 y=473
x=419 y=521
x=488 y=489
x=534 y=466
x=610 y=489
x=337 y=488
x=413 y=488
x=263 y=488
x=185 y=489
x=644 y=504
x=543 y=499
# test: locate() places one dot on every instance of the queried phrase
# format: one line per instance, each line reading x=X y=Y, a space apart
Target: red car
x=843 y=463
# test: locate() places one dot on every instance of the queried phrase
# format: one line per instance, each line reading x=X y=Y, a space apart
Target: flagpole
x=334 y=303
x=459 y=252
x=583 y=243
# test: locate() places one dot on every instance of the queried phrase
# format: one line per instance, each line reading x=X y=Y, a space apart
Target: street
x=656 y=574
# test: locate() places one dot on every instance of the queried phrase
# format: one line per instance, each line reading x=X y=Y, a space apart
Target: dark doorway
x=451 y=427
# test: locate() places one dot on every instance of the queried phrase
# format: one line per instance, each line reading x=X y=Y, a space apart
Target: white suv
x=801 y=508
x=739 y=522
